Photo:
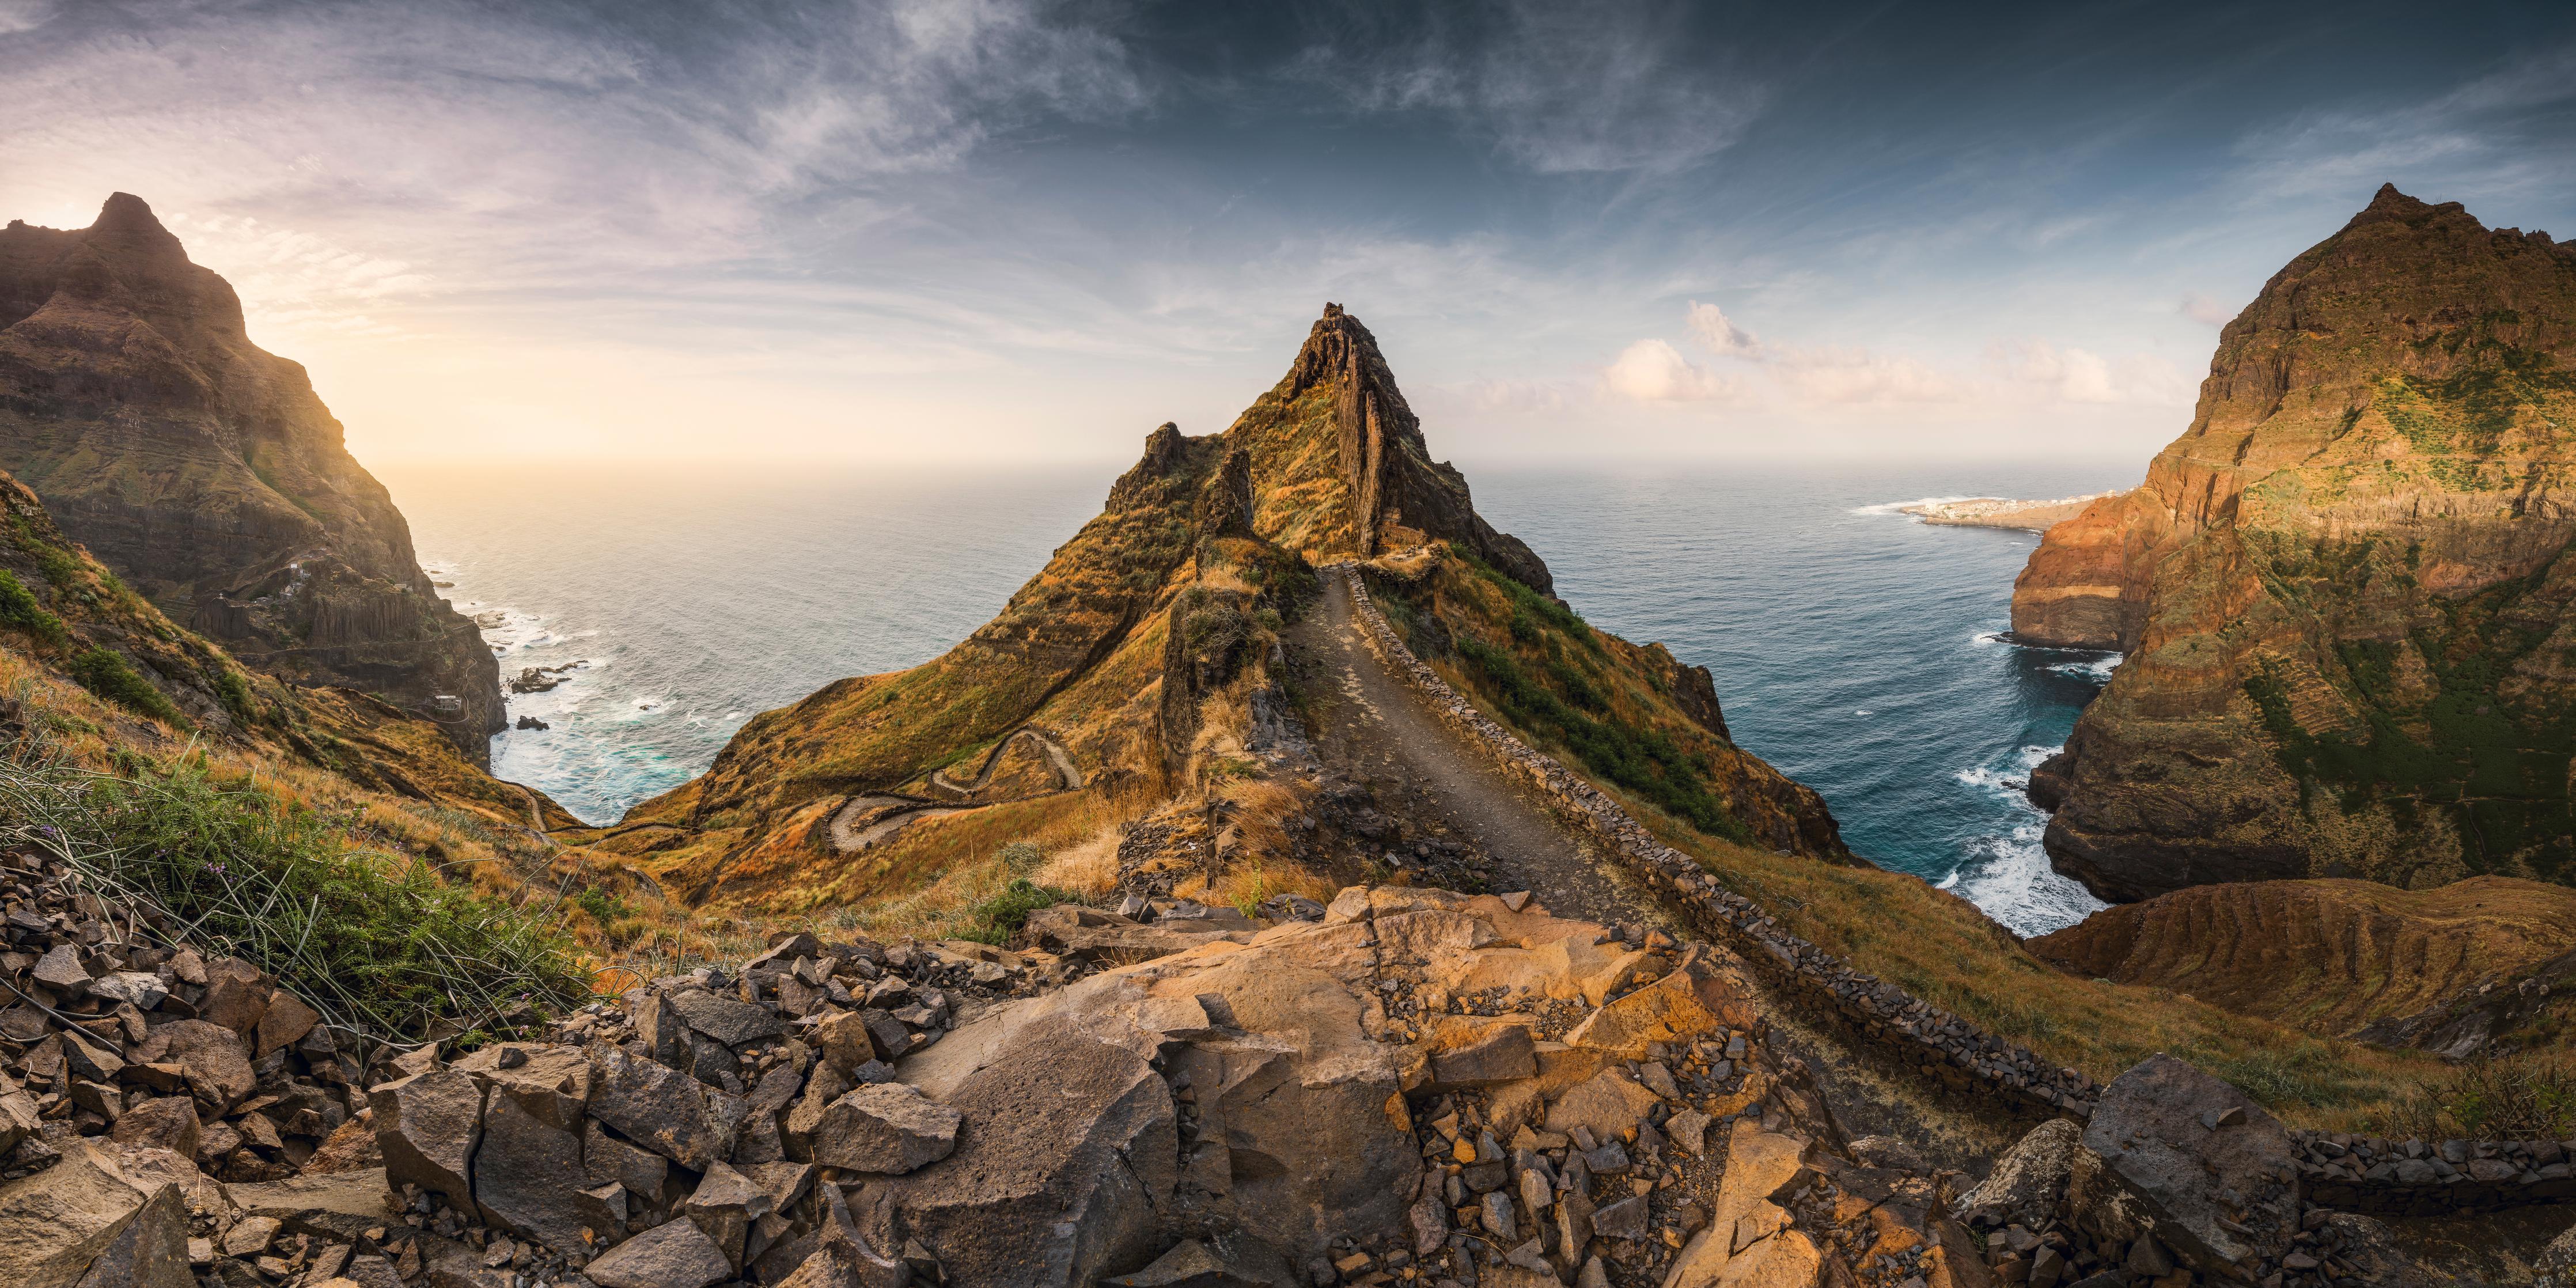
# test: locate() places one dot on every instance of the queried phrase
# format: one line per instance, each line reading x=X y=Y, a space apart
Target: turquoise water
x=1852 y=646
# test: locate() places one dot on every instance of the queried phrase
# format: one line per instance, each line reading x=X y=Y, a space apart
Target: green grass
x=21 y=610
x=102 y=672
x=994 y=920
x=380 y=945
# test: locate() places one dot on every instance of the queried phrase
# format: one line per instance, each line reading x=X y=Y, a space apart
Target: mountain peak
x=126 y=222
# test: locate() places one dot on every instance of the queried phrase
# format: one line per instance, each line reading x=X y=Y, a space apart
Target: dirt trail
x=1067 y=776
x=848 y=838
x=1373 y=725
x=1377 y=728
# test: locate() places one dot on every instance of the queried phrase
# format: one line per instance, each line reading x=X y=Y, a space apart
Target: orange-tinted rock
x=2342 y=591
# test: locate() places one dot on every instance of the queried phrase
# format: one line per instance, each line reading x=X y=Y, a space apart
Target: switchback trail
x=1371 y=723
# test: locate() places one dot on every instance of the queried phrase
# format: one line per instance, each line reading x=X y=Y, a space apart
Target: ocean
x=1852 y=646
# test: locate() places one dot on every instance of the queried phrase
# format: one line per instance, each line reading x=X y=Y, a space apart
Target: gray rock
x=2030 y=1177
x=605 y=1160
x=1070 y=1143
x=885 y=1127
x=2222 y=1201
x=54 y=1223
x=428 y=1126
x=548 y=1080
x=215 y=1059
x=151 y=1251
x=674 y=1254
x=529 y=1179
x=1625 y=1219
x=169 y=1122
x=1192 y=1264
x=724 y=1206
x=1504 y=1055
x=660 y=1108
x=727 y=1020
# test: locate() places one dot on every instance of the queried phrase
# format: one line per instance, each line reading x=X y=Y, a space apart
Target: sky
x=1013 y=231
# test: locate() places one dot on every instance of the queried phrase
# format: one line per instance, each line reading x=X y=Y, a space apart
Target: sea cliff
x=2343 y=592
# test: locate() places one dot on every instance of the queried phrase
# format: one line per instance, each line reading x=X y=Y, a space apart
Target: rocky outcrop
x=205 y=472
x=1991 y=512
x=2343 y=592
x=1341 y=469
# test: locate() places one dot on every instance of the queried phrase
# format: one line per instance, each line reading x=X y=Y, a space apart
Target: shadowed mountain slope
x=206 y=472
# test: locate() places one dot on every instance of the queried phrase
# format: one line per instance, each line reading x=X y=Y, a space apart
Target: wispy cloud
x=1615 y=87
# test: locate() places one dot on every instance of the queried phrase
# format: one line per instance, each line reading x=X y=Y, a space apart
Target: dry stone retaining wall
x=2342 y=1171
x=1922 y=1036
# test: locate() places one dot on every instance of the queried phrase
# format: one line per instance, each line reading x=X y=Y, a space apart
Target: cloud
x=2207 y=310
x=24 y=15
x=1560 y=89
x=2040 y=370
x=1654 y=371
x=1723 y=337
x=1849 y=375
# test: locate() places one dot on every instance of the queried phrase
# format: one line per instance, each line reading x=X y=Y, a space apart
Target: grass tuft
x=379 y=944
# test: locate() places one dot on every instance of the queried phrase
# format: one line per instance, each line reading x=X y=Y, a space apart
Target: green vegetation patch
x=2496 y=766
x=373 y=941
x=1549 y=682
x=103 y=672
x=994 y=920
x=21 y=610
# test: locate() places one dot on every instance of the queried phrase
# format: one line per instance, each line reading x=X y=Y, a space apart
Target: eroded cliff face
x=208 y=475
x=2344 y=590
x=1340 y=468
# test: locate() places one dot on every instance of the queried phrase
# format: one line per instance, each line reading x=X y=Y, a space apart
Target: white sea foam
x=1898 y=507
x=2008 y=875
x=2096 y=669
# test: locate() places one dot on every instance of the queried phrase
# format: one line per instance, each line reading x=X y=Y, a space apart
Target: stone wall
x=2410 y=1177
x=1917 y=1034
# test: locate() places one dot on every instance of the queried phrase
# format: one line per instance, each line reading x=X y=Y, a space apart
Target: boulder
x=729 y=1021
x=54 y=1223
x=1506 y=1054
x=2029 y=1178
x=674 y=1254
x=2556 y=1265
x=285 y=1022
x=606 y=1159
x=2177 y=1154
x=1610 y=1105
x=724 y=1205
x=236 y=996
x=168 y=1122
x=529 y=1180
x=883 y=1127
x=661 y=1108
x=1692 y=1001
x=335 y=1206
x=1758 y=1163
x=150 y=1251
x=1070 y=1142
x=428 y=1126
x=1193 y=1264
x=213 y=1057
x=548 y=1080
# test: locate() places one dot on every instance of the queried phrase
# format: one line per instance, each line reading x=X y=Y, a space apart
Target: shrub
x=373 y=942
x=19 y=608
x=996 y=919
x=104 y=673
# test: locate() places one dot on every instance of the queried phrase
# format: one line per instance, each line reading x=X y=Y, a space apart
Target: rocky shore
x=1991 y=512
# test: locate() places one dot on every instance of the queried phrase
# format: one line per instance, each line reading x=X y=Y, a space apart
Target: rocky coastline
x=1992 y=512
